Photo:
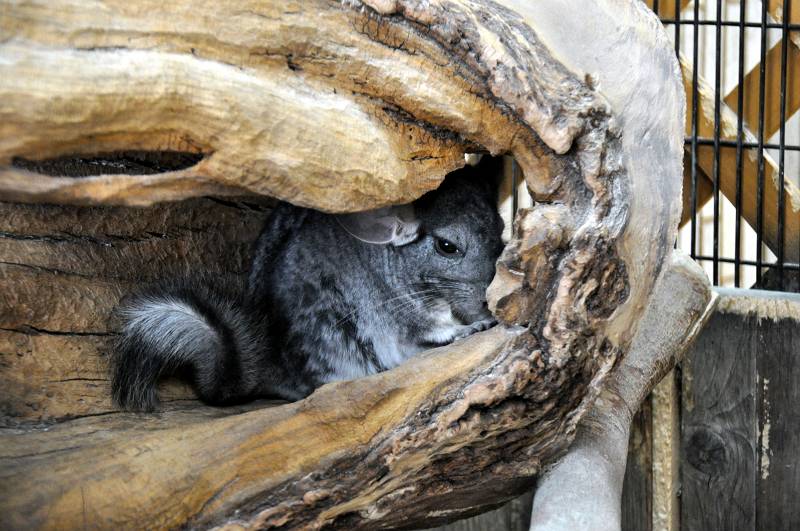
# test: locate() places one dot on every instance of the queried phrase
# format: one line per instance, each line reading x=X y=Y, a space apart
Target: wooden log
x=62 y=270
x=513 y=516
x=584 y=489
x=345 y=107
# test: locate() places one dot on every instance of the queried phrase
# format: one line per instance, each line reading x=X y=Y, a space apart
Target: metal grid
x=692 y=25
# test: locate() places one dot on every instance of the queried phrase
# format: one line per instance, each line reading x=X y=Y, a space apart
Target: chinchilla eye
x=446 y=248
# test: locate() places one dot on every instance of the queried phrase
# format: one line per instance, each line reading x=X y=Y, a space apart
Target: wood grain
x=637 y=487
x=64 y=268
x=778 y=403
x=338 y=106
x=719 y=428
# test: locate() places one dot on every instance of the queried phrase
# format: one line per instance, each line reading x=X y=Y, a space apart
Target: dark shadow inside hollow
x=393 y=283
x=128 y=162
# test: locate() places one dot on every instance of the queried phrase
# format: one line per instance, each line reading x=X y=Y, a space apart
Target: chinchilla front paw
x=477 y=326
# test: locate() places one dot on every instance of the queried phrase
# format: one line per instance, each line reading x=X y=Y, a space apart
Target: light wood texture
x=584 y=489
x=666 y=454
x=727 y=173
x=339 y=106
x=772 y=90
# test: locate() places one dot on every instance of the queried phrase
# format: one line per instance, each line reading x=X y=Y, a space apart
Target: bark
x=339 y=107
x=584 y=489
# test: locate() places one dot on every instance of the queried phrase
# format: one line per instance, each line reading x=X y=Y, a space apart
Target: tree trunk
x=339 y=106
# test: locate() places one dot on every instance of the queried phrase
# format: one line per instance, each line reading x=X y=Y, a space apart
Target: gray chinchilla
x=329 y=297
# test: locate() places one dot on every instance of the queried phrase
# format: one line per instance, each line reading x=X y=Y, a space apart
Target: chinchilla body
x=328 y=298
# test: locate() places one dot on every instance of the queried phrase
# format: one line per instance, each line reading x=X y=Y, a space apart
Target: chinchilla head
x=453 y=259
x=443 y=248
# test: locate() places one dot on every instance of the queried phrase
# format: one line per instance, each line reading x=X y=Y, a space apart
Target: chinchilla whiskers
x=426 y=302
x=405 y=300
x=382 y=303
x=412 y=302
x=444 y=283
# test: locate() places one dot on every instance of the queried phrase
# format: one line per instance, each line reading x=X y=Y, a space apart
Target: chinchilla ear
x=396 y=225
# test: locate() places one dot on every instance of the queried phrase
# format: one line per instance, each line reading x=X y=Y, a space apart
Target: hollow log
x=584 y=489
x=339 y=106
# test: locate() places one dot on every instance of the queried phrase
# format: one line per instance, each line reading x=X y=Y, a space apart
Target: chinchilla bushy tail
x=192 y=330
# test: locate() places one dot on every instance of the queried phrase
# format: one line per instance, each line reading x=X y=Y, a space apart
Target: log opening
x=403 y=90
x=129 y=162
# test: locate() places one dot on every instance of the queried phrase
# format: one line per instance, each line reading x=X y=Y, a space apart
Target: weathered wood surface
x=740 y=420
x=62 y=270
x=312 y=124
x=584 y=489
x=343 y=107
x=778 y=406
x=637 y=487
x=720 y=428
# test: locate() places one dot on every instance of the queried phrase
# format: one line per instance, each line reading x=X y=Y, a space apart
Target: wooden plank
x=776 y=11
x=719 y=428
x=637 y=488
x=666 y=454
x=772 y=90
x=752 y=89
x=727 y=172
x=778 y=364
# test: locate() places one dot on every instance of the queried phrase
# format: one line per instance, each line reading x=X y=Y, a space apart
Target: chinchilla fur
x=323 y=302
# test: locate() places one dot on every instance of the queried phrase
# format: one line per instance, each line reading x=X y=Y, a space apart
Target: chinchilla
x=328 y=297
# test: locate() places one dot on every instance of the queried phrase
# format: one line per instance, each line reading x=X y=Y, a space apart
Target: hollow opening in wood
x=512 y=194
x=128 y=162
x=437 y=437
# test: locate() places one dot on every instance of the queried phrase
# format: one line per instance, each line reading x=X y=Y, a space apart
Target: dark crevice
x=50 y=270
x=65 y=380
x=105 y=240
x=129 y=162
x=33 y=331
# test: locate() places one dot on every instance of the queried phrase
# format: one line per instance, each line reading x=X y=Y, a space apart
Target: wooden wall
x=717 y=445
x=738 y=424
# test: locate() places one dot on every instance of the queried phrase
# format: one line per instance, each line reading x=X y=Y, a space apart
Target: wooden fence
x=717 y=444
x=728 y=458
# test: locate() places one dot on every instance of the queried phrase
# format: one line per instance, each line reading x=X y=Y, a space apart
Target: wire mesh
x=741 y=67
